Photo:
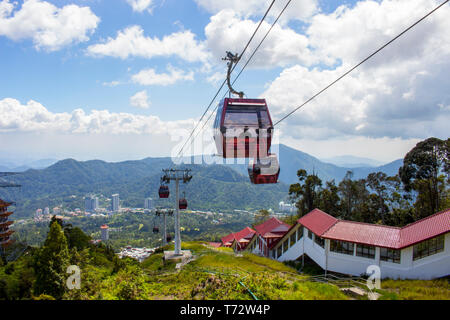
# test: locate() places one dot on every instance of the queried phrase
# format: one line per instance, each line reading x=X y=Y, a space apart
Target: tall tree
x=426 y=170
x=307 y=191
x=51 y=263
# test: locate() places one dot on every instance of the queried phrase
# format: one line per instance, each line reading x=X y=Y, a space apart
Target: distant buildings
x=149 y=204
x=105 y=233
x=286 y=207
x=46 y=211
x=115 y=202
x=90 y=203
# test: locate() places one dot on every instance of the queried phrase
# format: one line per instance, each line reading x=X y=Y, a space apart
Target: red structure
x=238 y=240
x=268 y=234
x=5 y=232
x=164 y=192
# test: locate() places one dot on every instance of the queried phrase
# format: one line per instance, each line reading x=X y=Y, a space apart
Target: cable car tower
x=177 y=175
x=164 y=212
x=5 y=232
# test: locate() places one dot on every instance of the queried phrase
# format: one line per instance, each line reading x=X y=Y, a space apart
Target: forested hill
x=291 y=160
x=214 y=187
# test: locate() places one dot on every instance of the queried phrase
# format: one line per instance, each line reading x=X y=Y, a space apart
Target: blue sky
x=125 y=79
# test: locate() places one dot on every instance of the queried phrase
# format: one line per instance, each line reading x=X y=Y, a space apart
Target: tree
x=424 y=169
x=262 y=216
x=307 y=191
x=329 y=199
x=51 y=263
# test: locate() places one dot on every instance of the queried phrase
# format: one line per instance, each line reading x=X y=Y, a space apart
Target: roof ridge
x=426 y=218
x=371 y=224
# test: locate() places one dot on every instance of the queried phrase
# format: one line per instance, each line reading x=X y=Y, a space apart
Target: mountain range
x=213 y=187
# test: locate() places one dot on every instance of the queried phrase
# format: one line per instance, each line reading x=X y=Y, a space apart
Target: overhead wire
x=223 y=83
x=245 y=65
x=360 y=63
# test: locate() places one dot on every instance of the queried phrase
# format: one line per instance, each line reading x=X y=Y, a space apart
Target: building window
x=428 y=247
x=310 y=234
x=292 y=239
x=365 y=251
x=390 y=255
x=341 y=247
x=299 y=233
x=320 y=241
x=285 y=246
x=279 y=252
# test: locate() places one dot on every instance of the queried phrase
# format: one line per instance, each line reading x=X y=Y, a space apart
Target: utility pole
x=164 y=212
x=177 y=175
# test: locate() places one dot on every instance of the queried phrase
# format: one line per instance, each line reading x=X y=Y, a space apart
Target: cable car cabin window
x=237 y=116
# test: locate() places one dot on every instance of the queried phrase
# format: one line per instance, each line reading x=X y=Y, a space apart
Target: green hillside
x=66 y=183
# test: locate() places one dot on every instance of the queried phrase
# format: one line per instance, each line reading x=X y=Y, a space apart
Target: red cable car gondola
x=243 y=128
x=155 y=229
x=169 y=238
x=164 y=191
x=264 y=170
x=182 y=204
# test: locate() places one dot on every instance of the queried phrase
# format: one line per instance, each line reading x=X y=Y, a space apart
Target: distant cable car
x=182 y=203
x=243 y=128
x=164 y=191
x=169 y=238
x=265 y=170
x=155 y=229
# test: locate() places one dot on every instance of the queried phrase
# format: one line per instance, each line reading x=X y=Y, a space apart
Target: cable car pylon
x=177 y=175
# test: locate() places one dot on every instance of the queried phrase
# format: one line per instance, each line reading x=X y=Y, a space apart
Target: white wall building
x=149 y=204
x=115 y=202
x=91 y=203
x=104 y=233
x=420 y=250
x=286 y=207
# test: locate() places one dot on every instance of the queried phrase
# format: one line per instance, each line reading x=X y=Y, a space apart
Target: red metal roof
x=273 y=225
x=429 y=227
x=329 y=227
x=317 y=221
x=215 y=244
x=371 y=234
x=246 y=233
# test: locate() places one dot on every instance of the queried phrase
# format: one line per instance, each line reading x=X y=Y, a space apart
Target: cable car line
x=363 y=61
x=223 y=83
x=243 y=68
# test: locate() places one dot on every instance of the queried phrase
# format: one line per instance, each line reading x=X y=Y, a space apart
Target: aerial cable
x=223 y=83
x=245 y=65
x=360 y=63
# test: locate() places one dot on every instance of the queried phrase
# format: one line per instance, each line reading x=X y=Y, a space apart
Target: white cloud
x=131 y=42
x=111 y=83
x=140 y=5
x=50 y=27
x=283 y=46
x=396 y=94
x=148 y=77
x=34 y=117
x=140 y=100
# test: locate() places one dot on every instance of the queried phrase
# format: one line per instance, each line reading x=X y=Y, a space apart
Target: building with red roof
x=267 y=235
x=420 y=250
x=238 y=240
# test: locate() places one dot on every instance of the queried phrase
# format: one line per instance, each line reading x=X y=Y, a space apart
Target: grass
x=415 y=289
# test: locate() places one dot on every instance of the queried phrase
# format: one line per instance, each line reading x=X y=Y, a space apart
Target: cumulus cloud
x=148 y=77
x=140 y=5
x=131 y=42
x=227 y=31
x=49 y=27
x=140 y=100
x=34 y=117
x=400 y=93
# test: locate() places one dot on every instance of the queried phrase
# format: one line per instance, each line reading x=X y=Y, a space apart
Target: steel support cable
x=248 y=61
x=223 y=83
x=363 y=61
